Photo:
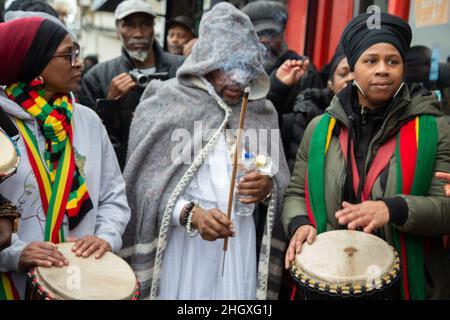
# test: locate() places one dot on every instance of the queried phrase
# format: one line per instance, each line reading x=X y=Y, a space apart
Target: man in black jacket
x=289 y=72
x=109 y=88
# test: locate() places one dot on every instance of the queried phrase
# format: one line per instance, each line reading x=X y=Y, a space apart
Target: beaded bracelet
x=191 y=232
x=185 y=213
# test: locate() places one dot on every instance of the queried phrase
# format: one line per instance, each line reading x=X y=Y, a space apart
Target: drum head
x=347 y=257
x=107 y=278
x=9 y=158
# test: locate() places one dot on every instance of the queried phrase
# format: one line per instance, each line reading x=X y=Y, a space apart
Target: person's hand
x=41 y=254
x=304 y=233
x=120 y=86
x=291 y=71
x=369 y=215
x=256 y=185
x=446 y=177
x=212 y=224
x=6 y=231
x=87 y=245
x=187 y=48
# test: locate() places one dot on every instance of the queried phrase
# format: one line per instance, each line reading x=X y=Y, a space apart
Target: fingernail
x=233 y=234
x=241 y=180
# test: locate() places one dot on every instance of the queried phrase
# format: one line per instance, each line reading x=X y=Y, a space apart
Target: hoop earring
x=41 y=79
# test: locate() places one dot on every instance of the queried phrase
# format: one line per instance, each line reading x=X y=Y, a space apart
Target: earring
x=40 y=79
x=330 y=85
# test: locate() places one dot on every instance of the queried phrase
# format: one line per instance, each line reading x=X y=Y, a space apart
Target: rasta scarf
x=62 y=188
x=415 y=148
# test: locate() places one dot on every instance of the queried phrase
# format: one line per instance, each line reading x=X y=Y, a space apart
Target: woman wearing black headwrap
x=378 y=172
x=68 y=184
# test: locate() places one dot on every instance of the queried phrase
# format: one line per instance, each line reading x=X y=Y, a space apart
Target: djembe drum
x=9 y=161
x=9 y=156
x=107 y=278
x=347 y=264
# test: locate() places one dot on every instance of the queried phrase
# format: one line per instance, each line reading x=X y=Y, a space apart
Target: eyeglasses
x=74 y=55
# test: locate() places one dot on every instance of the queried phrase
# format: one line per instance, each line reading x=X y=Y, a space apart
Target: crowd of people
x=135 y=155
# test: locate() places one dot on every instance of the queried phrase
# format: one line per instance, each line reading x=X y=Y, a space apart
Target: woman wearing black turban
x=377 y=172
x=68 y=185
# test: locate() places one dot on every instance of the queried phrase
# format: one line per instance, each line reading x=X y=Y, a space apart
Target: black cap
x=181 y=21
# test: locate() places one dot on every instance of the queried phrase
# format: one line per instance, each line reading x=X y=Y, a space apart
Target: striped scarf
x=62 y=188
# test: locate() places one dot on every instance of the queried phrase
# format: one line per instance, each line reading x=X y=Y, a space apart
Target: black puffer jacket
x=307 y=105
x=95 y=86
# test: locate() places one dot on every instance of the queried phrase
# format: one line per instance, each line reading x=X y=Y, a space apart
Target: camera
x=142 y=79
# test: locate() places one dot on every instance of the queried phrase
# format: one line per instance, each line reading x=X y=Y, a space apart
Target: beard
x=139 y=55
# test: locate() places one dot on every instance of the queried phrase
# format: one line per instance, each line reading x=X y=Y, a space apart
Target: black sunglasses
x=74 y=55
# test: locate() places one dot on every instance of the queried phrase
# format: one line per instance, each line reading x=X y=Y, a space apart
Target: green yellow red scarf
x=416 y=145
x=62 y=188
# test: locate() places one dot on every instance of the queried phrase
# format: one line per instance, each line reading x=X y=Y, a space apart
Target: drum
x=107 y=278
x=9 y=156
x=347 y=264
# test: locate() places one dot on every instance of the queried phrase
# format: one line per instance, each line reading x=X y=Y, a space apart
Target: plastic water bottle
x=248 y=165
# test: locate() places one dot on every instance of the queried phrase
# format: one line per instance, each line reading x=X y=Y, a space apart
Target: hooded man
x=110 y=89
x=174 y=195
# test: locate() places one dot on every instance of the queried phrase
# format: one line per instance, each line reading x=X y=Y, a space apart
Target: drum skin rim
x=44 y=294
x=348 y=289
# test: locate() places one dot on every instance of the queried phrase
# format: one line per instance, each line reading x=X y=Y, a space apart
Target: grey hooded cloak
x=227 y=40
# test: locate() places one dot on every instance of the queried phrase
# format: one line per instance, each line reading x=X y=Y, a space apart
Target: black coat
x=307 y=105
x=117 y=114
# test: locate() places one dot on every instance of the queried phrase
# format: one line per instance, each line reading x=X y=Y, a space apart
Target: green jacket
x=428 y=216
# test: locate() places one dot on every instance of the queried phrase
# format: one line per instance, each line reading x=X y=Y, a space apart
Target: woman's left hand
x=369 y=215
x=256 y=185
x=87 y=245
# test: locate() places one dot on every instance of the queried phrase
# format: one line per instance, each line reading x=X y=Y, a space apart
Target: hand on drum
x=256 y=185
x=368 y=215
x=304 y=233
x=87 y=245
x=42 y=254
x=212 y=224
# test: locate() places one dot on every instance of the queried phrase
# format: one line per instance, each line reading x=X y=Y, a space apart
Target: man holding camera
x=114 y=88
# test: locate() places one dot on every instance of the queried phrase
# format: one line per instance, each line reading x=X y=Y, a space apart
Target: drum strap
x=415 y=147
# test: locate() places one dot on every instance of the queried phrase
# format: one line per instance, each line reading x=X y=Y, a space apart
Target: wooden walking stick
x=236 y=156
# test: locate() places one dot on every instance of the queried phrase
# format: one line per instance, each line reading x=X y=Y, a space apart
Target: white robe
x=192 y=267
